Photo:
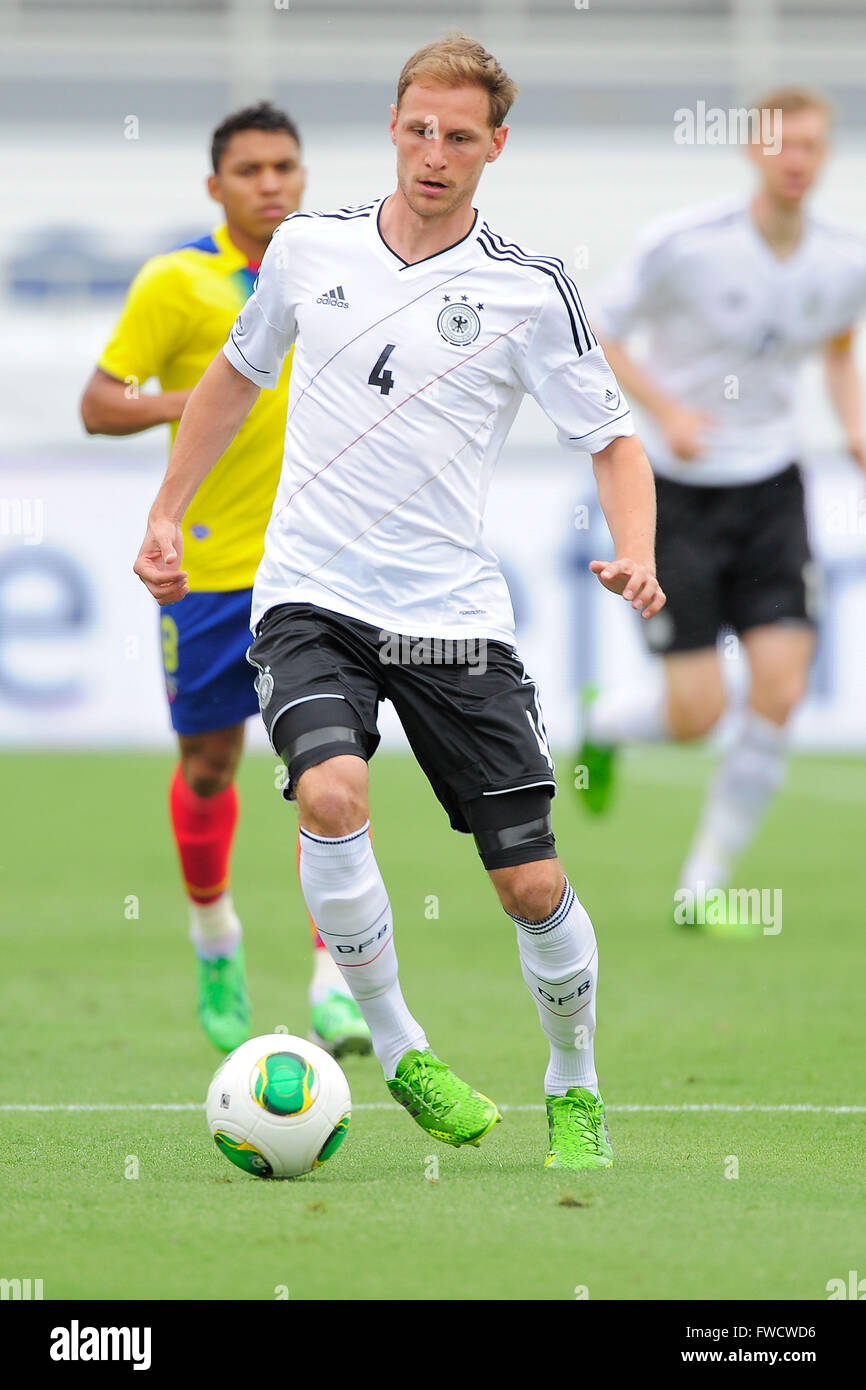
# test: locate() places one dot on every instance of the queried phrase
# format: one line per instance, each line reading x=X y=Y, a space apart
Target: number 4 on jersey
x=379 y=376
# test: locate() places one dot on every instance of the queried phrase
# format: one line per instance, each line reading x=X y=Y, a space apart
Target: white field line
x=390 y=1105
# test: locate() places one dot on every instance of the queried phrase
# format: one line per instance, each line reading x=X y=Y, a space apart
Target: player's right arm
x=152 y=328
x=263 y=332
x=214 y=413
x=633 y=293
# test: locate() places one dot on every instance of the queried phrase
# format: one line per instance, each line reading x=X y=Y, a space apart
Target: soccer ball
x=278 y=1106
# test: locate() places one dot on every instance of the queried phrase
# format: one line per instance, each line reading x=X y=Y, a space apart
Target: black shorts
x=468 y=709
x=734 y=557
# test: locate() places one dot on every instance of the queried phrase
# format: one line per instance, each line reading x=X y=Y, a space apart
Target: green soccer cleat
x=594 y=766
x=223 y=1002
x=731 y=928
x=578 y=1131
x=339 y=1026
x=440 y=1102
x=718 y=911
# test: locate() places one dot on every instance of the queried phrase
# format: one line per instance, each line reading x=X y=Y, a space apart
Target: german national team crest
x=264 y=684
x=459 y=324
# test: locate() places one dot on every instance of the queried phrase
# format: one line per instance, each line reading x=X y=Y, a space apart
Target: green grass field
x=98 y=1010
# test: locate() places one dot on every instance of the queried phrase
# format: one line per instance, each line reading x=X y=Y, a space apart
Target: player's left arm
x=564 y=368
x=846 y=392
x=626 y=491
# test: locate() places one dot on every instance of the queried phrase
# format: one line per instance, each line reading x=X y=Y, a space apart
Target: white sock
x=327 y=978
x=623 y=716
x=348 y=901
x=215 y=928
x=559 y=960
x=750 y=774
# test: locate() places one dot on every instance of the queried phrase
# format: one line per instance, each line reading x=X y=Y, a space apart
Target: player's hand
x=686 y=431
x=636 y=583
x=158 y=563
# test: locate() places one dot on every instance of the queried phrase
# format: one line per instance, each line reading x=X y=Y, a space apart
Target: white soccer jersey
x=405 y=381
x=729 y=325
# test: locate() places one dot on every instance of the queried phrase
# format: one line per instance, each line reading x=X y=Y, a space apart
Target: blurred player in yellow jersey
x=177 y=316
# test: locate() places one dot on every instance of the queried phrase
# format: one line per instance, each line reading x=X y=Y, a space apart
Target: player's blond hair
x=794 y=98
x=457 y=61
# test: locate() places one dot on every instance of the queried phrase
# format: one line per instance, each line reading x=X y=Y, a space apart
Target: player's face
x=788 y=175
x=260 y=181
x=444 y=139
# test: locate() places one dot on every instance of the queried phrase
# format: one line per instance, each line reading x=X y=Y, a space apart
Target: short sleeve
x=152 y=326
x=566 y=371
x=635 y=290
x=265 y=328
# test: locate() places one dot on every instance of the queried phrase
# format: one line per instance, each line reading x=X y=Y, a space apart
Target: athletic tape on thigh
x=513 y=836
x=333 y=733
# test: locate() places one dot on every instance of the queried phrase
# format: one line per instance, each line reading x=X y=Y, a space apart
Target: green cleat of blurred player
x=728 y=914
x=223 y=1002
x=578 y=1131
x=594 y=767
x=443 y=1105
x=338 y=1025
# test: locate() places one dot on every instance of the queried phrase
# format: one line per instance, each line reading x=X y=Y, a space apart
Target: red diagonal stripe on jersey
x=394 y=411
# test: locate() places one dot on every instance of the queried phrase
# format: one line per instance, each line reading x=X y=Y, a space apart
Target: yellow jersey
x=177 y=317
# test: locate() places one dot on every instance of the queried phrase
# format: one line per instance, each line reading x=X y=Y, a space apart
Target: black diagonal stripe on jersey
x=531 y=258
x=548 y=265
x=496 y=255
x=396 y=408
x=565 y=286
x=376 y=324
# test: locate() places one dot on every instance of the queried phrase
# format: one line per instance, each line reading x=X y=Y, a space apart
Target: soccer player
x=177 y=315
x=734 y=295
x=417 y=330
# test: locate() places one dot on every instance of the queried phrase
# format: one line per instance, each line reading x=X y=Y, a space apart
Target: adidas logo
x=336 y=298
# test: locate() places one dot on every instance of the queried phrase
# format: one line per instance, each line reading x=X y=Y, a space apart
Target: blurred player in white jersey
x=417 y=330
x=734 y=296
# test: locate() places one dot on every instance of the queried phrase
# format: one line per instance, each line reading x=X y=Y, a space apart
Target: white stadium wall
x=79 y=658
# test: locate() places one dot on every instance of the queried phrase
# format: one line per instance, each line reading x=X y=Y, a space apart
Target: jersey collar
x=438 y=258
x=228 y=248
x=780 y=264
